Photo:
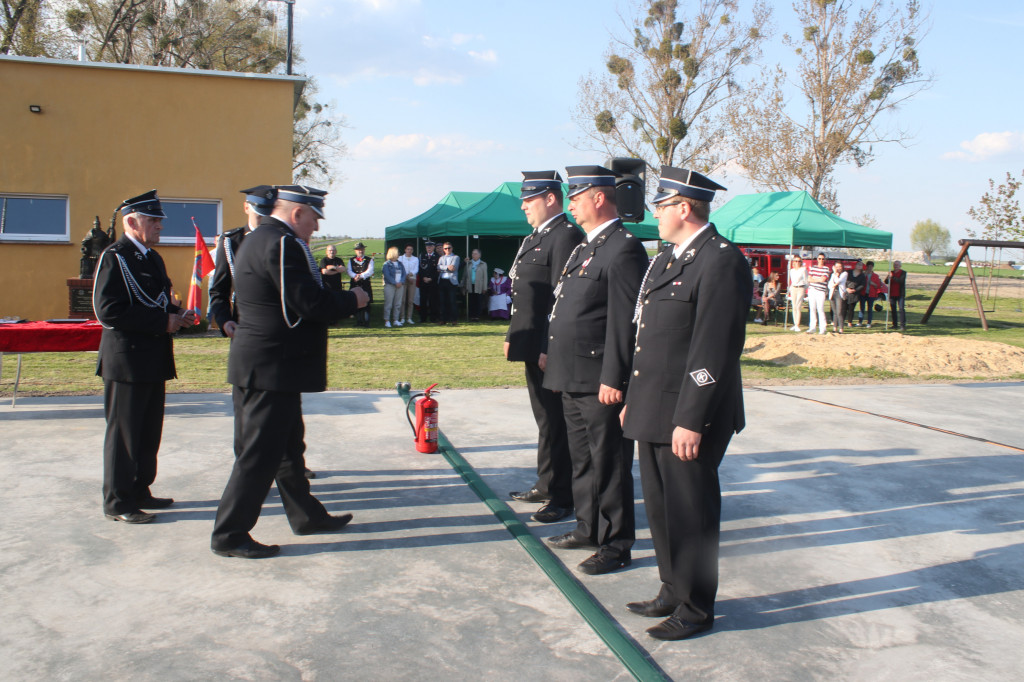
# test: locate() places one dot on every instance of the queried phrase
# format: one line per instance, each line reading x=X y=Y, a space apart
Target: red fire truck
x=769 y=259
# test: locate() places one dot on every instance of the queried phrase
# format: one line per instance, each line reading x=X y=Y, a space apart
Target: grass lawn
x=470 y=355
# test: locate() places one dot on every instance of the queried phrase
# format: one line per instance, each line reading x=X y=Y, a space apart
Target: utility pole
x=290 y=3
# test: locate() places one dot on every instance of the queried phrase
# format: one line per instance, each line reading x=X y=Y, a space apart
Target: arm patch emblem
x=702 y=377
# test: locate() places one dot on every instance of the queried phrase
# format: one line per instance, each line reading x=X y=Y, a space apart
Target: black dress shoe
x=674 y=628
x=309 y=474
x=602 y=563
x=571 y=541
x=155 y=502
x=332 y=524
x=132 y=517
x=531 y=495
x=550 y=513
x=250 y=549
x=655 y=608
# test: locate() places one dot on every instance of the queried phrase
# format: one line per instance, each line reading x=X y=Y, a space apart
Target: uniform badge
x=689 y=254
x=675 y=284
x=138 y=256
x=702 y=377
x=586 y=263
x=722 y=245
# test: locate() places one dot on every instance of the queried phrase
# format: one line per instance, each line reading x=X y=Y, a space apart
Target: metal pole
x=291 y=4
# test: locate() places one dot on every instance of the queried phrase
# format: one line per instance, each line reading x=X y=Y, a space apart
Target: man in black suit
x=534 y=275
x=685 y=397
x=279 y=352
x=259 y=202
x=589 y=344
x=430 y=300
x=131 y=298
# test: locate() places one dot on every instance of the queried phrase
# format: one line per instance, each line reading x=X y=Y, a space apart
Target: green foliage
x=605 y=122
x=865 y=57
x=999 y=212
x=930 y=237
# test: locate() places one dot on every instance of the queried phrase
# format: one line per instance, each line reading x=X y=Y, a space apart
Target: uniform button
x=643 y=325
x=673 y=293
x=646 y=301
x=591 y=352
x=552 y=338
x=636 y=372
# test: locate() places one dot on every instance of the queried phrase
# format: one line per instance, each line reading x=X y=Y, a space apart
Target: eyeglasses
x=447 y=248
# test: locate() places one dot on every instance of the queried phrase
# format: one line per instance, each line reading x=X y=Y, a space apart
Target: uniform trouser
x=602 y=472
x=429 y=302
x=272 y=450
x=392 y=303
x=851 y=306
x=684 y=510
x=554 y=465
x=816 y=309
x=409 y=302
x=449 y=301
x=135 y=421
x=476 y=304
x=837 y=302
x=898 y=304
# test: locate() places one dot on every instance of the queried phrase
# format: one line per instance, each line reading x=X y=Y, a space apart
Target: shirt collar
x=548 y=222
x=592 y=235
x=676 y=252
x=142 y=249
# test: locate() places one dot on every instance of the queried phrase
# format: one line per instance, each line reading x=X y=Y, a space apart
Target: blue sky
x=448 y=95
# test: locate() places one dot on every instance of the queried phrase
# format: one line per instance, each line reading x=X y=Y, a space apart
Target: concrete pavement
x=854 y=547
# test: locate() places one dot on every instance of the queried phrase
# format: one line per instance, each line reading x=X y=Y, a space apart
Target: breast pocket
x=672 y=307
x=537 y=256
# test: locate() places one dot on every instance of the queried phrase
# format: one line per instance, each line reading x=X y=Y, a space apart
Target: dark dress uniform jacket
x=222 y=308
x=135 y=346
x=686 y=366
x=538 y=267
x=281 y=340
x=590 y=337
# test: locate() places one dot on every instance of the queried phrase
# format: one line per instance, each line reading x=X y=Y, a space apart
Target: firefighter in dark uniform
x=132 y=300
x=685 y=397
x=534 y=275
x=589 y=349
x=259 y=202
x=279 y=352
x=430 y=299
x=360 y=270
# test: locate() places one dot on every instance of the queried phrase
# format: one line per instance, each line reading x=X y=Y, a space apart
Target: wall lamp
x=35 y=108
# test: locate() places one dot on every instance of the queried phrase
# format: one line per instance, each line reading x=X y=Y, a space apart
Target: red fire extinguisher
x=425 y=428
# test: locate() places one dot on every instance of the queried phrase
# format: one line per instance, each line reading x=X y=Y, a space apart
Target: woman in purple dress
x=500 y=288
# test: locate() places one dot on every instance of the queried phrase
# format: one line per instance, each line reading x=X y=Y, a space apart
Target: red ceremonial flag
x=201 y=268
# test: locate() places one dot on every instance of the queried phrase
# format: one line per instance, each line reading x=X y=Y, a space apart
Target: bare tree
x=853 y=71
x=30 y=28
x=999 y=212
x=316 y=140
x=661 y=95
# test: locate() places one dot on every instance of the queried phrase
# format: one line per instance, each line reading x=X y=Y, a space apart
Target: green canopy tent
x=794 y=219
x=417 y=227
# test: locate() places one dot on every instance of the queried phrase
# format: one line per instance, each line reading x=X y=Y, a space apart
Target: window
x=178 y=223
x=33 y=218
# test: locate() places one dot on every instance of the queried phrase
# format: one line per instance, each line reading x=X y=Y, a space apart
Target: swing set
x=996 y=251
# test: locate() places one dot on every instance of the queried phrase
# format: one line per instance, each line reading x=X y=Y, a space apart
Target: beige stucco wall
x=109 y=133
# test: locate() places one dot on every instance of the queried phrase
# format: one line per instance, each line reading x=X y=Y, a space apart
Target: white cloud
x=420 y=146
x=425 y=77
x=485 y=56
x=987 y=145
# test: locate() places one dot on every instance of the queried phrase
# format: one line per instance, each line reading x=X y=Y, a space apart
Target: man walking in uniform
x=279 y=352
x=685 y=397
x=131 y=298
x=534 y=275
x=589 y=344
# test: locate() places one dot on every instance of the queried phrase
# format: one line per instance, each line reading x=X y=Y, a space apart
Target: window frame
x=190 y=240
x=25 y=237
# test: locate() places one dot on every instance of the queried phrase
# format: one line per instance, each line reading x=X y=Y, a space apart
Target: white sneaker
x=388 y=325
x=811 y=330
x=758 y=320
x=823 y=332
x=868 y=324
x=409 y=321
x=398 y=323
x=794 y=328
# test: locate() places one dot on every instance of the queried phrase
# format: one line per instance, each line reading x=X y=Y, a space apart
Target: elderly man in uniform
x=131 y=298
x=685 y=398
x=589 y=345
x=279 y=352
x=535 y=272
x=360 y=270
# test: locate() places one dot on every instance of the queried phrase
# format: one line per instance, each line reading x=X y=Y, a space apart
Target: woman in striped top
x=817 y=287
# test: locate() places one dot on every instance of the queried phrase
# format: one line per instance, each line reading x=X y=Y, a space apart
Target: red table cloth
x=49 y=337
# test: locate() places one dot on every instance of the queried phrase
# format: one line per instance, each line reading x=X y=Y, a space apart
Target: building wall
x=107 y=133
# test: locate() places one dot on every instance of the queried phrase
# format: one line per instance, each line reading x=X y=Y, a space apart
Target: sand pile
x=890 y=351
